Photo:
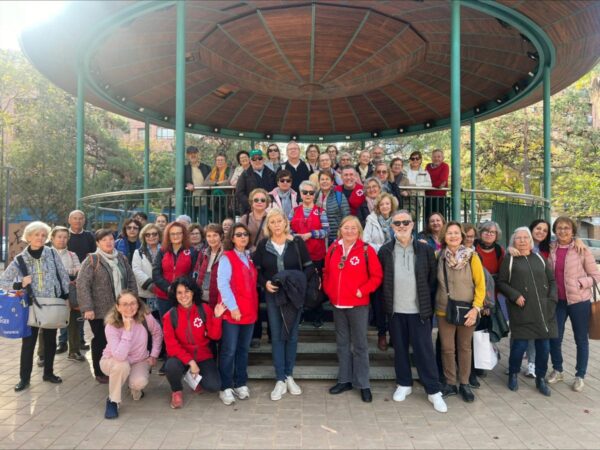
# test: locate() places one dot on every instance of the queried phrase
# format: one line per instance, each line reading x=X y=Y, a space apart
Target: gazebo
x=319 y=71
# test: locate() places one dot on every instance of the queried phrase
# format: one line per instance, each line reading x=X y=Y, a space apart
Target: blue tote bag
x=14 y=312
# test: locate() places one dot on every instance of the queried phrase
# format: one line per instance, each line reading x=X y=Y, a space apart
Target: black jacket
x=425 y=272
x=299 y=174
x=370 y=172
x=266 y=262
x=248 y=181
x=187 y=175
x=289 y=297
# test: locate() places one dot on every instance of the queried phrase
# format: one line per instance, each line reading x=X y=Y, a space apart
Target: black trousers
x=408 y=329
x=98 y=345
x=28 y=349
x=175 y=370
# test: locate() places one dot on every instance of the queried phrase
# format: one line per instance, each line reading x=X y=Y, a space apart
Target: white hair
x=35 y=227
x=518 y=230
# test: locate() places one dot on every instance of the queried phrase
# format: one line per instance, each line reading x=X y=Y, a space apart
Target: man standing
x=194 y=175
x=439 y=172
x=351 y=189
x=409 y=284
x=295 y=166
x=256 y=176
x=377 y=155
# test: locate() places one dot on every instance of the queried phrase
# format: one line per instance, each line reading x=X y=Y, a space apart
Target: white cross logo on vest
x=354 y=260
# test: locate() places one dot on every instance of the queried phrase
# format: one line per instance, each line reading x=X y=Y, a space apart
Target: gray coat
x=532 y=278
x=95 y=288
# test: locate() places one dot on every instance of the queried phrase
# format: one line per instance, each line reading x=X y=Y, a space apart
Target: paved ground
x=71 y=415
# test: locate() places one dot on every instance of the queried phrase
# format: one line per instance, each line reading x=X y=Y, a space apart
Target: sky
x=16 y=16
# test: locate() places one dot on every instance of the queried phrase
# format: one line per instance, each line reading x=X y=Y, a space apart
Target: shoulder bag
x=456 y=309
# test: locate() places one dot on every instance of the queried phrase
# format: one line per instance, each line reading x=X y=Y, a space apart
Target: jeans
x=64 y=335
x=284 y=352
x=531 y=352
x=579 y=313
x=517 y=350
x=98 y=344
x=27 y=350
x=351 y=326
x=233 y=360
x=175 y=370
x=164 y=306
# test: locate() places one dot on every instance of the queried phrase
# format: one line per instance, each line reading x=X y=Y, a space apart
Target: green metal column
x=80 y=140
x=146 y=163
x=180 y=109
x=547 y=143
x=455 y=107
x=473 y=173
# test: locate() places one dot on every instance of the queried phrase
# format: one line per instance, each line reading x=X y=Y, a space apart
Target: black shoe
x=83 y=346
x=481 y=373
x=21 y=385
x=317 y=323
x=61 y=348
x=52 y=379
x=449 y=390
x=255 y=343
x=339 y=388
x=467 y=393
x=513 y=382
x=474 y=382
x=40 y=362
x=162 y=371
x=366 y=396
x=112 y=410
x=541 y=385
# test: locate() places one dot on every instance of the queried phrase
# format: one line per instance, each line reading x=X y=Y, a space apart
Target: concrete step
x=318 y=348
x=329 y=372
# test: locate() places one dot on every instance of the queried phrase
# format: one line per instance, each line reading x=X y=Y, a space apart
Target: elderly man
x=439 y=172
x=409 y=285
x=296 y=166
x=194 y=175
x=377 y=155
x=326 y=166
x=255 y=176
x=351 y=189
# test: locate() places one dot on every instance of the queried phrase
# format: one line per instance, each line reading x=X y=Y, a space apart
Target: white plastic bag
x=485 y=354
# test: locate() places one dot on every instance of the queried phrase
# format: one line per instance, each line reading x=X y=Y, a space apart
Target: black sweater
x=266 y=262
x=82 y=244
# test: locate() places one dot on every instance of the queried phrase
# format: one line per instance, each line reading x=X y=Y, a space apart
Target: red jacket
x=168 y=267
x=190 y=340
x=243 y=285
x=300 y=225
x=439 y=178
x=341 y=285
x=357 y=197
x=201 y=268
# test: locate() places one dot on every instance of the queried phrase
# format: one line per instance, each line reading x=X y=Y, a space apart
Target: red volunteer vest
x=301 y=225
x=173 y=269
x=243 y=285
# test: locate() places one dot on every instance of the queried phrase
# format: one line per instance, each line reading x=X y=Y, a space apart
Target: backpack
x=490 y=290
x=175 y=317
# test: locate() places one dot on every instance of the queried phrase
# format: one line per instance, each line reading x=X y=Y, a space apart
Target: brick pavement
x=71 y=415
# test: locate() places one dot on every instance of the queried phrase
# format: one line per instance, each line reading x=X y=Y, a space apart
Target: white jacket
x=142 y=269
x=373 y=234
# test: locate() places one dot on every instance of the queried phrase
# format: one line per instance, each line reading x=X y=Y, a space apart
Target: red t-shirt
x=559 y=272
x=439 y=178
x=489 y=259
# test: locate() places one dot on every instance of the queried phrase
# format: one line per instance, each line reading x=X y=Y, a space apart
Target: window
x=141 y=134
x=165 y=133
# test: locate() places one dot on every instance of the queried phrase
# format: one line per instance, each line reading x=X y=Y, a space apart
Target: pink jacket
x=131 y=346
x=580 y=273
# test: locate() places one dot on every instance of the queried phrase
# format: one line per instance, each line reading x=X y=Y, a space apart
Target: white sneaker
x=530 y=370
x=280 y=389
x=578 y=384
x=292 y=387
x=227 y=397
x=136 y=394
x=401 y=393
x=555 y=377
x=438 y=402
x=242 y=392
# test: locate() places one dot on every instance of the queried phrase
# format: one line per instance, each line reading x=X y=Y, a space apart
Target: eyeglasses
x=489 y=232
x=131 y=227
x=382 y=171
x=405 y=223
x=564 y=228
x=128 y=305
x=308 y=192
x=285 y=180
x=257 y=158
x=259 y=200
x=241 y=234
x=415 y=158
x=153 y=234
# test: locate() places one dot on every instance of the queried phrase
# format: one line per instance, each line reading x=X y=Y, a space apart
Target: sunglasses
x=241 y=234
x=273 y=149
x=308 y=192
x=415 y=158
x=382 y=171
x=285 y=180
x=259 y=200
x=405 y=223
x=154 y=234
x=132 y=227
x=257 y=158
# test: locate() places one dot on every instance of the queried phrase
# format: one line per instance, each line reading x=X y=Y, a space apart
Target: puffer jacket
x=373 y=233
x=142 y=269
x=580 y=273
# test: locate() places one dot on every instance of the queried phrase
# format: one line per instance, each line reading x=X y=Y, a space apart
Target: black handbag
x=314 y=296
x=456 y=309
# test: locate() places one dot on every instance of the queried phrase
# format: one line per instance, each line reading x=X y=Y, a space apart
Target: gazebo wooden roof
x=315 y=70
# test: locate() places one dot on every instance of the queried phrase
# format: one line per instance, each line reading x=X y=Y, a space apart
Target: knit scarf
x=118 y=271
x=286 y=200
x=370 y=203
x=385 y=225
x=460 y=259
x=217 y=175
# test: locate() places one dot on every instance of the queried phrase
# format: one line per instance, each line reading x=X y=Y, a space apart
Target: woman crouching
x=129 y=326
x=189 y=328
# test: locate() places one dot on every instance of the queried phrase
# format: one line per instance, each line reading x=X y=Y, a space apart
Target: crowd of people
x=309 y=232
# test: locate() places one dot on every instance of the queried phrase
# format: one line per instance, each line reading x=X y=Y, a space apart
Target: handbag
x=456 y=309
x=594 y=331
x=314 y=296
x=485 y=354
x=73 y=296
x=46 y=312
x=14 y=312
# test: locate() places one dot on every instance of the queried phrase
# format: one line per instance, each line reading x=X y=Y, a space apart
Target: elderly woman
x=458 y=303
x=219 y=174
x=575 y=276
x=528 y=283
x=102 y=277
x=432 y=234
x=143 y=260
x=189 y=328
x=236 y=280
x=333 y=202
x=312 y=158
x=332 y=151
x=259 y=201
x=208 y=264
x=243 y=160
x=129 y=241
x=47 y=277
x=129 y=326
x=490 y=252
x=372 y=190
x=196 y=237
x=282 y=261
x=417 y=175
x=382 y=172
x=378 y=225
x=325 y=166
x=284 y=197
x=345 y=160
x=352 y=272
x=273 y=158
